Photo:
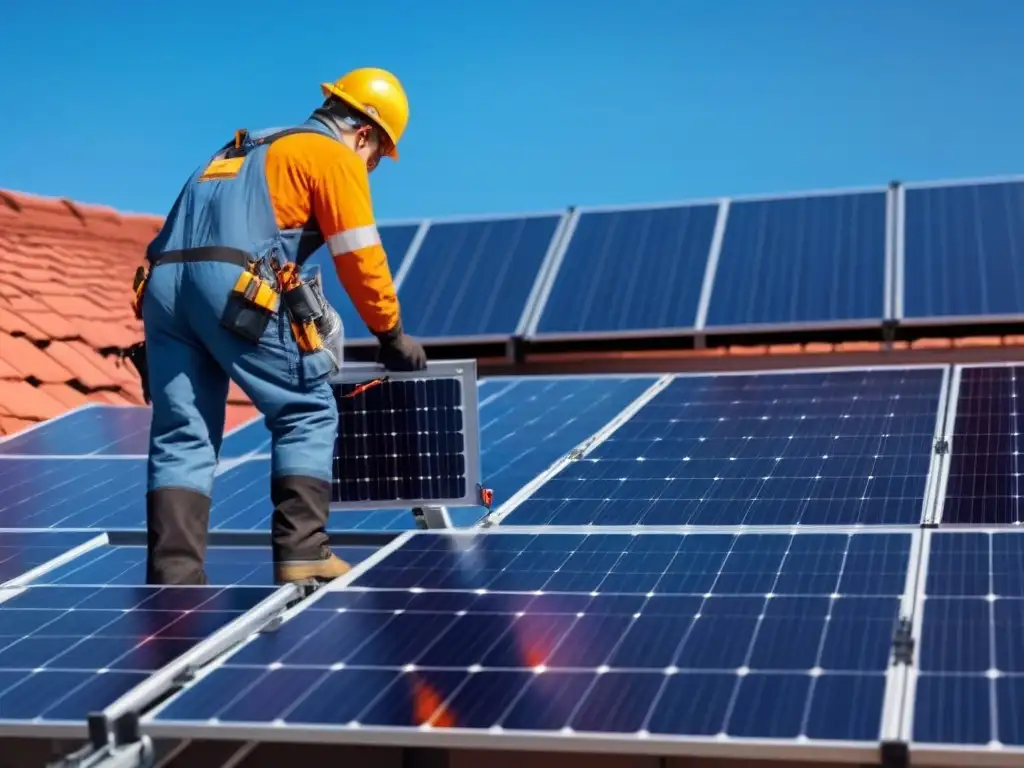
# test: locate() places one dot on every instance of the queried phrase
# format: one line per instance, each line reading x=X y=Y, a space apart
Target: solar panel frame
x=159 y=681
x=937 y=753
x=552 y=265
x=463 y=371
x=948 y=435
x=891 y=209
x=555 y=741
x=931 y=482
x=536 y=290
x=68 y=555
x=899 y=254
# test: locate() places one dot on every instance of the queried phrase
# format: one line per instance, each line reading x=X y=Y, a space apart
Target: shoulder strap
x=243 y=143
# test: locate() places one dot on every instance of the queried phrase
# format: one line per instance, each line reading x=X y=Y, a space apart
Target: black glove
x=399 y=352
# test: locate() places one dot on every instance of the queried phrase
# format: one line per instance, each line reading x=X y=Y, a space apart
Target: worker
x=225 y=298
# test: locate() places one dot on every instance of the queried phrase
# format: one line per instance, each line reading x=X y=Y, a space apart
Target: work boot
x=177 y=520
x=328 y=567
x=299 y=539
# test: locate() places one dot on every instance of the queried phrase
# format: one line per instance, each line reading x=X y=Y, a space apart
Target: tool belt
x=260 y=290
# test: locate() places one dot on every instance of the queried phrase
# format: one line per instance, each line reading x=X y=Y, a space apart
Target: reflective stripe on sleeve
x=353 y=240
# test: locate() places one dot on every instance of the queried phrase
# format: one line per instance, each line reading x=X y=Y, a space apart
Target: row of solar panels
x=831 y=447
x=799 y=644
x=914 y=254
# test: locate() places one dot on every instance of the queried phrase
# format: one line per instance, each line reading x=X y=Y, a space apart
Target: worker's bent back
x=223 y=300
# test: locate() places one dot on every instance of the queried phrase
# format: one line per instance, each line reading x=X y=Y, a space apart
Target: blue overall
x=191 y=356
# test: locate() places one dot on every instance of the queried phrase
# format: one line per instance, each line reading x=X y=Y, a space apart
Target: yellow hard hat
x=377 y=94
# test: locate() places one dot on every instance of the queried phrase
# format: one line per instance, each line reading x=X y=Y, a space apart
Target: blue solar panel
x=984 y=467
x=68 y=651
x=802 y=260
x=535 y=421
x=109 y=430
x=473 y=278
x=21 y=551
x=126 y=566
x=833 y=448
x=72 y=493
x=607 y=281
x=970 y=666
x=963 y=250
x=770 y=636
x=95 y=429
x=396 y=239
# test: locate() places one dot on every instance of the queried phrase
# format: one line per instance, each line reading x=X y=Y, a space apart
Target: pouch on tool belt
x=138 y=289
x=329 y=325
x=251 y=304
x=306 y=307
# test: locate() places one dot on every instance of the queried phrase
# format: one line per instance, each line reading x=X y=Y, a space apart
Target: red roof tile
x=29 y=402
x=65 y=297
x=64 y=302
x=31 y=361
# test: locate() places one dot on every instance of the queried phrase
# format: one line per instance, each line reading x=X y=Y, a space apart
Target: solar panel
x=839 y=447
x=68 y=651
x=476 y=278
x=93 y=429
x=983 y=485
x=802 y=260
x=97 y=431
x=969 y=665
x=687 y=641
x=411 y=438
x=125 y=565
x=21 y=552
x=962 y=249
x=537 y=420
x=602 y=282
x=397 y=240
x=72 y=493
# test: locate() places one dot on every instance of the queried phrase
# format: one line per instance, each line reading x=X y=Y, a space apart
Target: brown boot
x=301 y=552
x=177 y=520
x=306 y=570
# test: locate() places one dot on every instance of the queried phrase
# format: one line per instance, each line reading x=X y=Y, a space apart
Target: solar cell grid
x=802 y=259
x=820 y=448
x=69 y=651
x=762 y=636
x=962 y=250
x=93 y=429
x=475 y=278
x=970 y=681
x=24 y=551
x=72 y=493
x=984 y=468
x=598 y=287
x=403 y=439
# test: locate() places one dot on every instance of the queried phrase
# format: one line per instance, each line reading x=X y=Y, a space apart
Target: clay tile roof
x=65 y=308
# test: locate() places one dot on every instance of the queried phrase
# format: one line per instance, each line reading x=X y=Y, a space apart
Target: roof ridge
x=45 y=212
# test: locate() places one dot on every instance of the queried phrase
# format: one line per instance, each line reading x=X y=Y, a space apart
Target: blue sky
x=522 y=104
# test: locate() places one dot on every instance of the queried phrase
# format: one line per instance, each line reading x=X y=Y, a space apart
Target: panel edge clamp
x=941 y=446
x=430 y=518
x=894 y=754
x=903 y=642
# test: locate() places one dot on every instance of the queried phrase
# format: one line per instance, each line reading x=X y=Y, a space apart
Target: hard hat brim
x=330 y=91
